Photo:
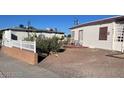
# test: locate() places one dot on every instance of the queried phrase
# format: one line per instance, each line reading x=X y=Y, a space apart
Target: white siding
x=7 y=35
x=91 y=36
x=22 y=35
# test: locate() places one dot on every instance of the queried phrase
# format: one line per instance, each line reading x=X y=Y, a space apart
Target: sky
x=61 y=22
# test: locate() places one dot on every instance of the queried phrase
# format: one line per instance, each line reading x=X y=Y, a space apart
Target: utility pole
x=76 y=21
x=28 y=24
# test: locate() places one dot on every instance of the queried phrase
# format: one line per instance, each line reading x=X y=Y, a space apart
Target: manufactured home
x=15 y=45
x=20 y=33
x=105 y=34
x=17 y=36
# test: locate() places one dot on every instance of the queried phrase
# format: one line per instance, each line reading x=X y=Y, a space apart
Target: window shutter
x=103 y=33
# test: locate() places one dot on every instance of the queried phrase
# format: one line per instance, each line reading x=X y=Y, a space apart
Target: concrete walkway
x=13 y=68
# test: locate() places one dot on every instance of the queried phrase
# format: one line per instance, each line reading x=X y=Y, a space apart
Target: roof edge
x=30 y=30
x=95 y=21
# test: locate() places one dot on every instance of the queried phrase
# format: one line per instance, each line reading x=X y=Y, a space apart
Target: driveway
x=13 y=68
x=75 y=62
x=84 y=62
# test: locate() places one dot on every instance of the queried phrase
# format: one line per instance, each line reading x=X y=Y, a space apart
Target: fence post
x=34 y=46
x=21 y=44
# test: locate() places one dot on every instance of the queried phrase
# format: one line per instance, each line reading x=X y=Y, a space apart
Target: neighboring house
x=15 y=45
x=20 y=33
x=105 y=34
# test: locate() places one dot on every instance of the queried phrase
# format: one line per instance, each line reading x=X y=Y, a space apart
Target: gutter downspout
x=113 y=35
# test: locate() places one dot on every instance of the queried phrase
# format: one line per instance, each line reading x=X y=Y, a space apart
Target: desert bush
x=42 y=44
x=31 y=37
x=55 y=44
x=47 y=45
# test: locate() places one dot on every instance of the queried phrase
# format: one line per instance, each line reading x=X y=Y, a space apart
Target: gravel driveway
x=75 y=62
x=84 y=62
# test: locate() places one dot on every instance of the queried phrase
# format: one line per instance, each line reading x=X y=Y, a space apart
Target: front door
x=80 y=39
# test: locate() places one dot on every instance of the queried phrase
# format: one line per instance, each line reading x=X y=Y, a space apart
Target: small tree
x=47 y=45
x=44 y=44
x=54 y=44
x=31 y=37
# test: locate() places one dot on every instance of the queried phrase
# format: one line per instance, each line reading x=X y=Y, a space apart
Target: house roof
x=101 y=21
x=31 y=30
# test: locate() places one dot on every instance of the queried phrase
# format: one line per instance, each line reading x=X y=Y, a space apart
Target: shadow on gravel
x=61 y=50
x=117 y=55
x=41 y=58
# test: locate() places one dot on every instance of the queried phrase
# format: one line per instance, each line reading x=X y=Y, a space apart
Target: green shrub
x=42 y=45
x=54 y=44
x=31 y=37
x=47 y=45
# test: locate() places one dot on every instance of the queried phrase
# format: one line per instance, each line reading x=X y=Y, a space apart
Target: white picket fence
x=27 y=45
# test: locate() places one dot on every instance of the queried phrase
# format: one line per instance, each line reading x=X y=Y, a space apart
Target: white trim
x=113 y=35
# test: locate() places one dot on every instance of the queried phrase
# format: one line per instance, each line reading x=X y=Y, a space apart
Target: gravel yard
x=84 y=62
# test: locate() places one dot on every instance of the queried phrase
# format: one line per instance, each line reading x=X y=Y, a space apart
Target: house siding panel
x=91 y=36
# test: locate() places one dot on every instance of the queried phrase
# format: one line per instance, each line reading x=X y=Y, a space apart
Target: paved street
x=13 y=68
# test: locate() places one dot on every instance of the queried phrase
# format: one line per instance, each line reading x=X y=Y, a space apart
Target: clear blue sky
x=62 y=22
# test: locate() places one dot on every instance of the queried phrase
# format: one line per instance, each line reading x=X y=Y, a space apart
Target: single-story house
x=105 y=33
x=20 y=33
x=15 y=45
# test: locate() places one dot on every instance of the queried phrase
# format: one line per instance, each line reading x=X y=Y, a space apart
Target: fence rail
x=27 y=45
